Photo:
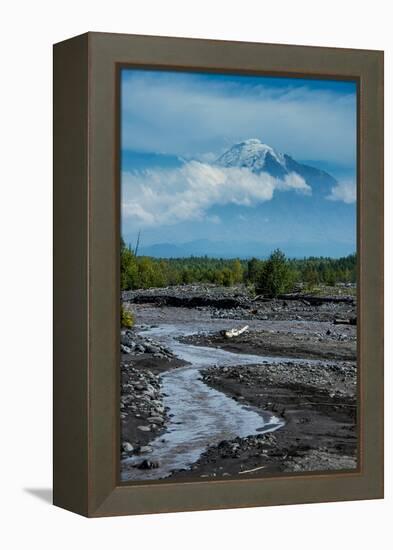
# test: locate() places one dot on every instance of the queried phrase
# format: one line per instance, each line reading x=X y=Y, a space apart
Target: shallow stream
x=201 y=416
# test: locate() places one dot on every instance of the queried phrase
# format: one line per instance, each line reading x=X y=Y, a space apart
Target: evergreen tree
x=276 y=275
x=254 y=267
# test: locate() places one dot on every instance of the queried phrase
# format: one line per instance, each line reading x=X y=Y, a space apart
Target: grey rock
x=127 y=447
x=156 y=419
x=145 y=449
x=144 y=428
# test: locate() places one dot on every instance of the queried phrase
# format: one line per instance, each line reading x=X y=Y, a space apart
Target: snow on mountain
x=251 y=153
x=259 y=157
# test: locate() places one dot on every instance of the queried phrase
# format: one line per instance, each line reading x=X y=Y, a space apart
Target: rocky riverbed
x=294 y=365
x=316 y=400
x=240 y=302
x=335 y=342
x=143 y=415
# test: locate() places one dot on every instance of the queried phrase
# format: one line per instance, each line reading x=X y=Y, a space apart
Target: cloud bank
x=344 y=191
x=169 y=196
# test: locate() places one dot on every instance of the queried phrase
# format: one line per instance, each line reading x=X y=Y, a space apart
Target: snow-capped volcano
x=259 y=157
x=251 y=153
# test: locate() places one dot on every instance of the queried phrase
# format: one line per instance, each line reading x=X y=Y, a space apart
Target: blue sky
x=175 y=124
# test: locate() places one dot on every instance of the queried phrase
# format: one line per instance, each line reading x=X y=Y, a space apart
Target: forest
x=273 y=275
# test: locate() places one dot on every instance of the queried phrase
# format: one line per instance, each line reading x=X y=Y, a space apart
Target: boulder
x=127 y=447
x=144 y=428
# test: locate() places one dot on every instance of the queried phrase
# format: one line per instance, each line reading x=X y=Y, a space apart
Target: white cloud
x=185 y=115
x=169 y=196
x=295 y=182
x=344 y=191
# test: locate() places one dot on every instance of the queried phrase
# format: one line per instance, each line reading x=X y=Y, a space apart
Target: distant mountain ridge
x=259 y=157
x=222 y=249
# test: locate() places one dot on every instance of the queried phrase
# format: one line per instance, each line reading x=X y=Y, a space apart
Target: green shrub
x=127 y=318
x=227 y=277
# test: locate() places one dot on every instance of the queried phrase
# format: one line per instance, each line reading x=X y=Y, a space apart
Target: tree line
x=274 y=275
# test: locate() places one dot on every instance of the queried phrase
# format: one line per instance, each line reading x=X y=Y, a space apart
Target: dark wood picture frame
x=86 y=272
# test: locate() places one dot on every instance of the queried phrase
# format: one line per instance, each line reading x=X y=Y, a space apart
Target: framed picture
x=218 y=274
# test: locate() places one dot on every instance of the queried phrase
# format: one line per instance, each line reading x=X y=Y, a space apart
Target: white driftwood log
x=234 y=332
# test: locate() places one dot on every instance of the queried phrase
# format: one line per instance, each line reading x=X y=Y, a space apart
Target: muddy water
x=201 y=416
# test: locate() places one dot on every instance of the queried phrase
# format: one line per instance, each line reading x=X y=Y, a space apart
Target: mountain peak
x=251 y=153
x=259 y=157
